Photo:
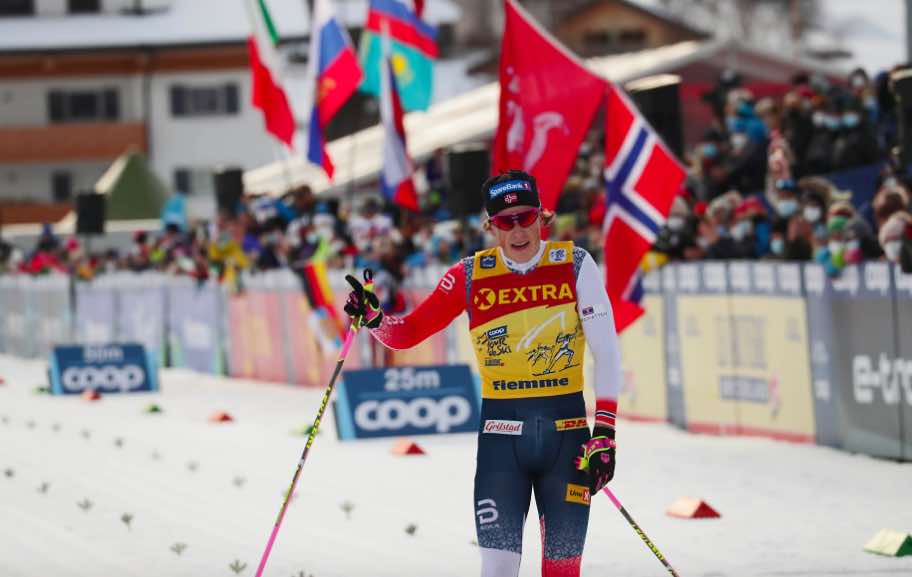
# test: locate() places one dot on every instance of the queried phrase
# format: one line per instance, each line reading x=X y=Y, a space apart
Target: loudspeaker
x=901 y=81
x=229 y=188
x=90 y=213
x=658 y=98
x=468 y=168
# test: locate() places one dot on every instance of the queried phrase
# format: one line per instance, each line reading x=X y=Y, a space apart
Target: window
x=17 y=7
x=195 y=181
x=632 y=38
x=83 y=105
x=62 y=186
x=221 y=99
x=84 y=6
x=598 y=42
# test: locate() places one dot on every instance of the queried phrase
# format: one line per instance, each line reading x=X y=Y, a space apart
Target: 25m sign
x=125 y=368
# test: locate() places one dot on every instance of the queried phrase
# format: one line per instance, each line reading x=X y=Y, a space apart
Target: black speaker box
x=229 y=188
x=468 y=168
x=658 y=98
x=90 y=213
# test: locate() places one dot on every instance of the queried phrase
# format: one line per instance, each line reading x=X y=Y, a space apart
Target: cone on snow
x=890 y=543
x=220 y=417
x=153 y=409
x=690 y=508
x=407 y=447
x=91 y=395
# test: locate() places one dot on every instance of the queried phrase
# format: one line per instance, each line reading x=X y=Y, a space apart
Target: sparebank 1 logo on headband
x=508 y=186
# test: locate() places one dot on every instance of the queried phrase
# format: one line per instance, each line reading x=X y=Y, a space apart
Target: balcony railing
x=70 y=142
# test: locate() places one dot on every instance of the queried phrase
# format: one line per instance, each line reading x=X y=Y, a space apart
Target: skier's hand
x=362 y=305
x=598 y=458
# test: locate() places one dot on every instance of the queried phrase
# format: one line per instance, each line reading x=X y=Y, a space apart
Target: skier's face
x=520 y=243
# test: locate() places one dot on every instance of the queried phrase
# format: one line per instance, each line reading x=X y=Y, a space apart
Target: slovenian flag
x=268 y=94
x=396 y=178
x=414 y=49
x=336 y=75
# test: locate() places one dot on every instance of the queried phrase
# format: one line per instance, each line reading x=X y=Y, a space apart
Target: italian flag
x=268 y=94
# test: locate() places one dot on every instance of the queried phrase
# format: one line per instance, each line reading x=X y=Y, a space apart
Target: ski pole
x=349 y=338
x=640 y=532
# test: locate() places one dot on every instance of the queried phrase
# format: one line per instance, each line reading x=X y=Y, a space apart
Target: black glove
x=363 y=306
x=598 y=458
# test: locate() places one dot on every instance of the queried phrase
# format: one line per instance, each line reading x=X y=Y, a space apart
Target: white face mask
x=835 y=247
x=812 y=213
x=892 y=249
x=742 y=229
x=675 y=223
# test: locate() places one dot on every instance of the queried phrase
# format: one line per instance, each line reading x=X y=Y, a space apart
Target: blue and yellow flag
x=413 y=46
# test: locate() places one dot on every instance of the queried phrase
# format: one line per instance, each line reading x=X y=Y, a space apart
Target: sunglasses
x=508 y=221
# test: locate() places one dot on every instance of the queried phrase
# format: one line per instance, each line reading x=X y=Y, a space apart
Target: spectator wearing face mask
x=799 y=234
x=890 y=199
x=814 y=203
x=778 y=240
x=746 y=166
x=855 y=143
x=714 y=230
x=895 y=238
x=751 y=230
x=819 y=155
x=679 y=233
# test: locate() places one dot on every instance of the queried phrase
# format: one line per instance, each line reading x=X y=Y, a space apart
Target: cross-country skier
x=533 y=436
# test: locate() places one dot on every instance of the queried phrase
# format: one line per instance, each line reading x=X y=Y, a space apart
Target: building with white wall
x=82 y=81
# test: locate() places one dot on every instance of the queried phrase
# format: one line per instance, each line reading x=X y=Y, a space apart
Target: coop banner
x=402 y=401
x=107 y=369
x=194 y=326
x=903 y=363
x=765 y=370
x=822 y=344
x=643 y=390
x=867 y=363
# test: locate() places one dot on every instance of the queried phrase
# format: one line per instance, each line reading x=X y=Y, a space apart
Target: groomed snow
x=787 y=510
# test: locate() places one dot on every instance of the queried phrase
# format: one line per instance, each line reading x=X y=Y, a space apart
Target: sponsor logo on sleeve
x=577 y=494
x=593 y=312
x=502 y=427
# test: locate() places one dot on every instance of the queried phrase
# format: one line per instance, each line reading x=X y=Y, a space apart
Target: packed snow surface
x=71 y=469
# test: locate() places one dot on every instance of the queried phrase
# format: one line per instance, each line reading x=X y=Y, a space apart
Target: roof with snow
x=179 y=23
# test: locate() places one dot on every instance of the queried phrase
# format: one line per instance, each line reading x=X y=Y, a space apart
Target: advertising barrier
x=774 y=349
x=405 y=401
x=48 y=313
x=674 y=387
x=902 y=284
x=141 y=301
x=770 y=378
x=643 y=395
x=195 y=326
x=707 y=363
x=865 y=361
x=822 y=343
x=107 y=369
x=96 y=312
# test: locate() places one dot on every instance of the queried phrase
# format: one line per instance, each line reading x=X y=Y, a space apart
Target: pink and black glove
x=598 y=453
x=598 y=458
x=362 y=305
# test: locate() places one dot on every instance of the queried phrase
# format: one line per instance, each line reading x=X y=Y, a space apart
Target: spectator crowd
x=756 y=189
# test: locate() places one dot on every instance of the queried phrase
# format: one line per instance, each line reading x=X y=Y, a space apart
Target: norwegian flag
x=642 y=179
